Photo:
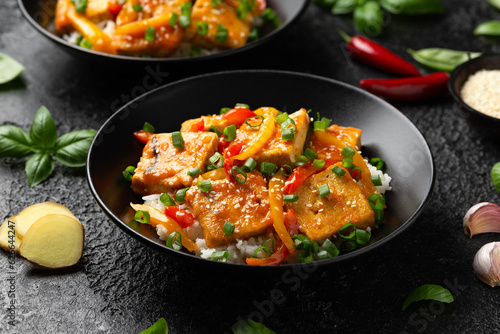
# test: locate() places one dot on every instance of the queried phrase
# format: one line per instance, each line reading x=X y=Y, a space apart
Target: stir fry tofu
x=350 y=136
x=321 y=217
x=98 y=10
x=246 y=206
x=163 y=167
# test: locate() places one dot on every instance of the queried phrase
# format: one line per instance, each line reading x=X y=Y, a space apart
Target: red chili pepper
x=408 y=89
x=374 y=54
x=114 y=8
x=198 y=126
x=233 y=150
x=237 y=116
x=183 y=217
x=143 y=136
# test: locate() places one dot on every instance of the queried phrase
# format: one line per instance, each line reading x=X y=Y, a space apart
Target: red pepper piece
x=372 y=53
x=183 y=217
x=408 y=89
x=143 y=136
x=281 y=251
x=237 y=116
x=198 y=126
x=233 y=150
x=301 y=173
x=114 y=8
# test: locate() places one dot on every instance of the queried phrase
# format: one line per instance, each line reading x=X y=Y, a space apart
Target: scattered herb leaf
x=489 y=28
x=9 y=68
x=38 y=167
x=428 y=291
x=72 y=148
x=495 y=175
x=442 y=59
x=159 y=327
x=248 y=326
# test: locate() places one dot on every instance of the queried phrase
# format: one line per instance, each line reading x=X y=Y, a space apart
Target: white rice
x=384 y=177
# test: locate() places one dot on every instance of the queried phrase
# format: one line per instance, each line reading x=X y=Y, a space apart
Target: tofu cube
x=163 y=168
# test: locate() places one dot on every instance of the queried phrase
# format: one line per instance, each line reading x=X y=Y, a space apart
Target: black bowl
x=387 y=133
x=488 y=125
x=40 y=14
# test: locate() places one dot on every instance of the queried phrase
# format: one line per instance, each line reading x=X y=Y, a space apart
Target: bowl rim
x=456 y=94
x=177 y=60
x=193 y=258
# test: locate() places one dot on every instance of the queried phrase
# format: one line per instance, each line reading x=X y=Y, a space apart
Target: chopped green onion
x=290 y=198
x=265 y=249
x=224 y=110
x=315 y=247
x=270 y=15
x=323 y=255
x=194 y=171
x=362 y=237
x=214 y=129
x=348 y=152
x=319 y=163
x=194 y=51
x=242 y=105
x=272 y=243
x=142 y=216
x=281 y=118
x=135 y=225
x=128 y=172
x=222 y=34
x=239 y=171
x=302 y=242
x=184 y=21
x=379 y=216
x=347 y=162
x=376 y=180
x=230 y=132
x=354 y=169
x=217 y=160
x=209 y=168
x=348 y=231
x=249 y=165
x=174 y=241
x=204 y=185
x=309 y=111
x=268 y=168
x=338 y=171
x=310 y=154
x=202 y=28
x=173 y=19
x=330 y=248
x=220 y=256
x=148 y=128
x=287 y=134
x=318 y=125
x=348 y=246
x=306 y=257
x=228 y=228
x=180 y=195
x=243 y=9
x=84 y=43
x=150 y=34
x=324 y=190
x=284 y=171
x=289 y=121
x=253 y=35
x=377 y=162
x=376 y=201
x=137 y=7
x=166 y=200
x=177 y=139
x=254 y=117
x=326 y=121
x=302 y=158
x=80 y=5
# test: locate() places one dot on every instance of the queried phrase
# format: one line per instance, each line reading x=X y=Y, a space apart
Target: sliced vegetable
x=237 y=116
x=9 y=68
x=276 y=206
x=490 y=28
x=184 y=218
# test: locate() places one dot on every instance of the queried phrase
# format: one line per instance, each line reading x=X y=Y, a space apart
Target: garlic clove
x=482 y=218
x=487 y=264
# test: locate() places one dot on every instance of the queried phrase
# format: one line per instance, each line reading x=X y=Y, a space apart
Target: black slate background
x=121 y=286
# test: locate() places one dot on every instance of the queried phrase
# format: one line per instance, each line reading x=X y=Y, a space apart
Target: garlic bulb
x=487 y=264
x=482 y=218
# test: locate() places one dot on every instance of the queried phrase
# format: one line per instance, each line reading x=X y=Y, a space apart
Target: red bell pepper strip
x=372 y=53
x=233 y=150
x=184 y=218
x=143 y=136
x=198 y=126
x=237 y=116
x=114 y=8
x=301 y=173
x=409 y=89
x=223 y=144
x=281 y=251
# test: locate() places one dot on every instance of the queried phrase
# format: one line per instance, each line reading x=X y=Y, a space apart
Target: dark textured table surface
x=121 y=286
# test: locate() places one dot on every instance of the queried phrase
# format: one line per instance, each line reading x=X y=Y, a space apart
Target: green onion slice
x=237 y=170
x=195 y=51
x=204 y=185
x=228 y=228
x=302 y=158
x=330 y=248
x=319 y=163
x=148 y=128
x=222 y=34
x=376 y=201
x=214 y=129
x=376 y=180
x=358 y=175
x=290 y=198
x=128 y=173
x=348 y=231
x=281 y=118
x=173 y=19
x=323 y=255
x=202 y=28
x=242 y=105
x=174 y=241
x=286 y=170
x=348 y=246
x=249 y=165
x=137 y=7
x=306 y=257
x=217 y=160
x=379 y=216
x=310 y=154
x=254 y=117
x=338 y=171
x=347 y=162
x=166 y=200
x=220 y=256
x=318 y=125
x=177 y=139
x=287 y=134
x=265 y=249
x=324 y=190
x=224 y=110
x=302 y=242
x=142 y=216
x=194 y=171
x=230 y=132
x=184 y=21
x=267 y=241
x=377 y=162
x=268 y=168
x=180 y=195
x=150 y=34
x=362 y=237
x=348 y=152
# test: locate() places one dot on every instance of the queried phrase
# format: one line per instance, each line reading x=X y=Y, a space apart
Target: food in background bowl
x=481 y=91
x=261 y=187
x=161 y=28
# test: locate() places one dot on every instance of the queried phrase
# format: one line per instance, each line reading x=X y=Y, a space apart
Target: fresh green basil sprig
x=9 y=68
x=442 y=59
x=428 y=291
x=42 y=146
x=489 y=28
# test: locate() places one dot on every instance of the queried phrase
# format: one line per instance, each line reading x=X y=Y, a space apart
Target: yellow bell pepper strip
x=138 y=28
x=276 y=204
x=99 y=40
x=158 y=218
x=214 y=175
x=266 y=131
x=366 y=183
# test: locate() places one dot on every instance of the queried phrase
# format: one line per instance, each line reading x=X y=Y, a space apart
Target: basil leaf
x=369 y=18
x=14 y=142
x=248 y=326
x=495 y=175
x=9 y=68
x=428 y=291
x=442 y=59
x=71 y=148
x=38 y=167
x=344 y=6
x=495 y=3
x=159 y=327
x=490 y=28
x=43 y=130
x=412 y=7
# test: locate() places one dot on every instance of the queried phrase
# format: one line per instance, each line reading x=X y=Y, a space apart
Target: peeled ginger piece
x=53 y=241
